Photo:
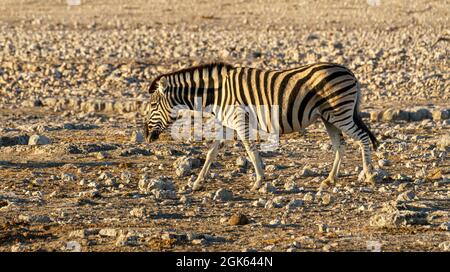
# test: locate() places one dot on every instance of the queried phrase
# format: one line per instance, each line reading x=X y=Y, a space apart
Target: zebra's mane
x=210 y=66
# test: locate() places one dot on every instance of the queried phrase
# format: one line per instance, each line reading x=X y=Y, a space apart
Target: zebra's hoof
x=326 y=183
x=197 y=187
x=371 y=180
x=257 y=185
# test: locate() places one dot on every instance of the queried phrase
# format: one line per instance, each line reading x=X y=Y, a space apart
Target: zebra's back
x=300 y=95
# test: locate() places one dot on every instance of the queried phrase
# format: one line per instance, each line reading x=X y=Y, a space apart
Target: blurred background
x=112 y=49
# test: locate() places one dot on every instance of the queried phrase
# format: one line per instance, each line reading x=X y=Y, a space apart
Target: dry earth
x=76 y=77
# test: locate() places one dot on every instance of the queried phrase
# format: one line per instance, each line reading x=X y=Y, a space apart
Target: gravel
x=393 y=215
x=127 y=240
x=223 y=195
x=139 y=212
x=39 y=219
x=406 y=196
x=308 y=197
x=268 y=188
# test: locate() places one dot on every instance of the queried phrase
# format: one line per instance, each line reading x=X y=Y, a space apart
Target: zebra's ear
x=162 y=85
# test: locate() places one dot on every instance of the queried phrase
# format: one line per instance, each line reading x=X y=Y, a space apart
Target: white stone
x=38 y=140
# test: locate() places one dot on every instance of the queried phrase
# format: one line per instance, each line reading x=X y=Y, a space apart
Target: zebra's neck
x=197 y=87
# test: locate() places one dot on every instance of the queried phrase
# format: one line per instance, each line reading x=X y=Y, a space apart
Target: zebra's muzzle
x=152 y=136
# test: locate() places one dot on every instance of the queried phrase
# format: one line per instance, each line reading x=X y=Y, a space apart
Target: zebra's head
x=160 y=114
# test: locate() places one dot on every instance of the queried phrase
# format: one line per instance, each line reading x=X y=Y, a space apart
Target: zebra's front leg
x=254 y=156
x=210 y=157
x=331 y=179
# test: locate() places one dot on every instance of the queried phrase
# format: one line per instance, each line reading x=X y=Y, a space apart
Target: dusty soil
x=77 y=75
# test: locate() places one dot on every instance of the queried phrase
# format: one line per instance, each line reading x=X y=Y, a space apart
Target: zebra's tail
x=361 y=125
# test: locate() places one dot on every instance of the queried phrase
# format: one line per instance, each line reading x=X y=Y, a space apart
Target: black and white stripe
x=302 y=95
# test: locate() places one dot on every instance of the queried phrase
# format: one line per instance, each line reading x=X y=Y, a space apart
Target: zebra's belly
x=297 y=126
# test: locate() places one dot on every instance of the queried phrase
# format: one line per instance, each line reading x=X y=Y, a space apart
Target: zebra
x=303 y=94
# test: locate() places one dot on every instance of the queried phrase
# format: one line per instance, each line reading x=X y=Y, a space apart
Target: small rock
x=239 y=219
x=269 y=248
x=326 y=199
x=291 y=187
x=445 y=246
x=67 y=177
x=406 y=196
x=308 y=197
x=242 y=162
x=403 y=186
x=164 y=194
x=19 y=248
x=139 y=212
x=127 y=240
x=41 y=219
x=103 y=155
x=294 y=204
x=183 y=165
x=323 y=228
x=179 y=237
x=439 y=115
x=444 y=142
x=108 y=232
x=38 y=140
x=268 y=188
x=83 y=233
x=271 y=168
x=111 y=182
x=73 y=246
x=296 y=244
x=185 y=200
x=137 y=137
x=38 y=181
x=445 y=226
x=307 y=172
x=384 y=162
x=161 y=183
x=77 y=234
x=199 y=242
x=271 y=204
x=259 y=203
x=223 y=195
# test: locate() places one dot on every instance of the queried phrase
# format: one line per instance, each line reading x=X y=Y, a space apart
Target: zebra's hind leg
x=337 y=140
x=360 y=132
x=367 y=162
x=210 y=157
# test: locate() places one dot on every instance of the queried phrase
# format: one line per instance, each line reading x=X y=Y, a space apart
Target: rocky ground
x=75 y=175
